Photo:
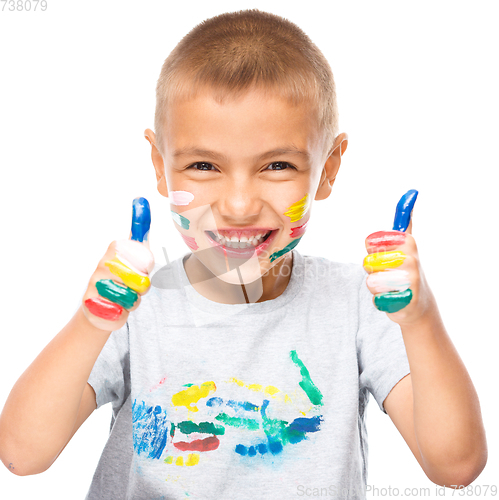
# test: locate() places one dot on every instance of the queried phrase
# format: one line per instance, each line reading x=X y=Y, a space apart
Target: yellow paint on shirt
x=192 y=395
x=380 y=261
x=130 y=278
x=192 y=459
x=255 y=387
x=271 y=390
x=297 y=210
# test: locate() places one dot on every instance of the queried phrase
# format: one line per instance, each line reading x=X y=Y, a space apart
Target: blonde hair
x=236 y=51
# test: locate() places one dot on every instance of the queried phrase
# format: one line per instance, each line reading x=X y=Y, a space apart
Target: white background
x=417 y=86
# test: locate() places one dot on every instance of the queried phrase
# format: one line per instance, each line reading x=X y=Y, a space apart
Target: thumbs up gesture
x=122 y=275
x=395 y=276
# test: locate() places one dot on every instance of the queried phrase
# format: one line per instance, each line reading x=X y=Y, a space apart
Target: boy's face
x=245 y=168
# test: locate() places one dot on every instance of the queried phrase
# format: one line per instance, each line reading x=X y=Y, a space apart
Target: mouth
x=241 y=243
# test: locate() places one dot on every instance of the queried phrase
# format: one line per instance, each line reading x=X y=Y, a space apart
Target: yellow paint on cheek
x=383 y=260
x=297 y=210
x=192 y=395
x=130 y=278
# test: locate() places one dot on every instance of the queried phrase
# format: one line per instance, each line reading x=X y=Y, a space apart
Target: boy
x=246 y=369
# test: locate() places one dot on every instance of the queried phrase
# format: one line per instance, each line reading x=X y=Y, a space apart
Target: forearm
x=42 y=407
x=447 y=417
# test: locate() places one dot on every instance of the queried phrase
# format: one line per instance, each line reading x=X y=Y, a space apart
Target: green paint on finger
x=393 y=301
x=286 y=249
x=121 y=295
x=180 y=220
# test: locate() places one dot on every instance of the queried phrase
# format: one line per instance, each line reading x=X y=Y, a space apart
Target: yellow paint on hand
x=130 y=278
x=192 y=395
x=179 y=461
x=297 y=210
x=375 y=262
x=192 y=459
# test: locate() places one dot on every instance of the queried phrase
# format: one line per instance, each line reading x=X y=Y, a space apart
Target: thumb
x=403 y=213
x=141 y=220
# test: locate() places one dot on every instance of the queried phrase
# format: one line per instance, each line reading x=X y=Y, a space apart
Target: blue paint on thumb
x=141 y=219
x=404 y=210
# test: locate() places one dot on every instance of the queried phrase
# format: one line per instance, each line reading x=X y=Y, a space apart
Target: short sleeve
x=381 y=353
x=110 y=375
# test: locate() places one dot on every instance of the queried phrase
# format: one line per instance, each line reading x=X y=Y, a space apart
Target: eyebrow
x=193 y=151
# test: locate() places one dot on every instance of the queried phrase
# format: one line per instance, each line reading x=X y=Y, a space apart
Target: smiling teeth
x=243 y=242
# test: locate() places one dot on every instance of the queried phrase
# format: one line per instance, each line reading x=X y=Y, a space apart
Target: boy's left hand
x=396 y=278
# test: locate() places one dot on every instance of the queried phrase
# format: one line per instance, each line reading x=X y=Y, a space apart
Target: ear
x=157 y=161
x=331 y=167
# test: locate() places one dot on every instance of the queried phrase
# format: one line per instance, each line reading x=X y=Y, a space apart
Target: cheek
x=298 y=209
x=180 y=198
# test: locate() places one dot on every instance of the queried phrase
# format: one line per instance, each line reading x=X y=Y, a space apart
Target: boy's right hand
x=122 y=275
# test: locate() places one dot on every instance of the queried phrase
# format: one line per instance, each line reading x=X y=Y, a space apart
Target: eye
x=281 y=165
x=202 y=166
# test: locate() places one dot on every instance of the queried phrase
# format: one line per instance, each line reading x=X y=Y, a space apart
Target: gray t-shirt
x=245 y=401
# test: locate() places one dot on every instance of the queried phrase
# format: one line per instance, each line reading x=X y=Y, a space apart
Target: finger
x=393 y=301
x=404 y=210
x=141 y=219
x=103 y=308
x=130 y=277
x=121 y=295
x=396 y=280
x=383 y=241
x=381 y=261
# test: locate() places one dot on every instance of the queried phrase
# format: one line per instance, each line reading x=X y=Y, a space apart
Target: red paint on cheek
x=103 y=308
x=207 y=444
x=385 y=239
x=296 y=232
x=190 y=241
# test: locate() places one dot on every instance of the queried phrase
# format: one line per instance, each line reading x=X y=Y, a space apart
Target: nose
x=240 y=199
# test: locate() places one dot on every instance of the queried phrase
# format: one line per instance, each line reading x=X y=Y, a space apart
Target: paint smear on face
x=285 y=250
x=297 y=210
x=389 y=281
x=190 y=242
x=104 y=309
x=297 y=232
x=180 y=197
x=180 y=220
x=192 y=395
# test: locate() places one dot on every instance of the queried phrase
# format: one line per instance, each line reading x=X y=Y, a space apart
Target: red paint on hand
x=207 y=444
x=103 y=308
x=385 y=239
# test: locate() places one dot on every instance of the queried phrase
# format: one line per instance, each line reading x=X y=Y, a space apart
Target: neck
x=274 y=282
